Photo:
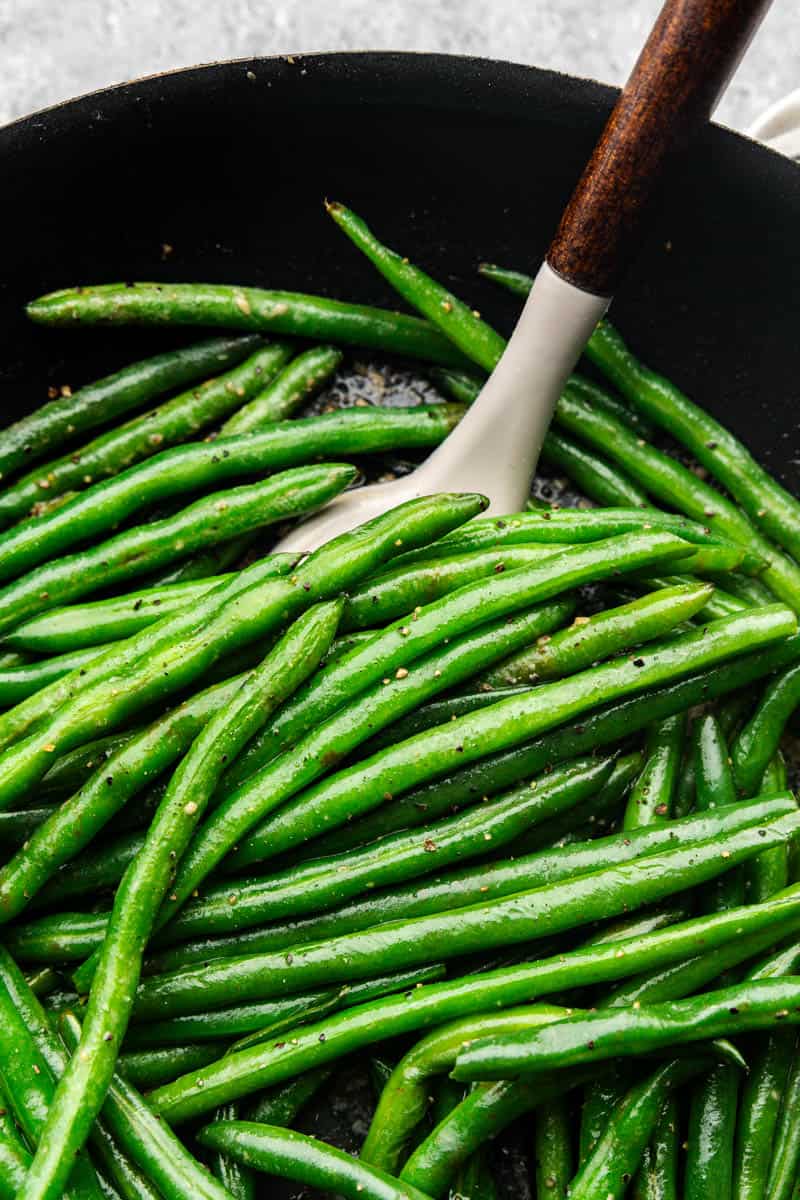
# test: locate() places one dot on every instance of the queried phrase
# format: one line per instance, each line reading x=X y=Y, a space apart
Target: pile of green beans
x=501 y=801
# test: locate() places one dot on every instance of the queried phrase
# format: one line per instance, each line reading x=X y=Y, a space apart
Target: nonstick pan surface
x=218 y=173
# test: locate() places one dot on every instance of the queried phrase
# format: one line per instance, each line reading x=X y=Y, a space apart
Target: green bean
x=759 y=1107
x=280 y=1106
x=135 y=551
x=296 y=383
x=214 y=913
x=652 y=797
x=559 y=526
x=203 y=465
x=74 y=824
x=17 y=827
x=659 y=917
x=178 y=420
x=475 y=338
x=515 y=281
x=56 y=938
x=235 y=1176
x=714 y=780
x=100 y=621
x=436 y=712
x=72 y=770
x=436 y=1003
x=597 y=478
x=669 y=481
x=770 y=506
x=15 y=1157
x=600 y=1097
x=398 y=591
x=160 y=665
x=603 y=635
x=721 y=603
x=552 y=1149
x=505 y=921
x=295 y=1156
x=148 y=1141
x=657 y=1177
x=405 y=1100
x=620 y=1150
x=97 y=870
x=764 y=1004
x=608 y=725
x=497 y=727
x=484 y=1113
x=152 y=1068
x=712 y=1127
x=323 y=884
x=17 y=683
x=244 y=308
x=782 y=1178
x=759 y=740
x=101 y=402
x=80 y=1093
x=27 y=1067
x=121 y=1177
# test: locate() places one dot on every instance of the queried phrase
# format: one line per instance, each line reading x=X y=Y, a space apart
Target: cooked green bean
x=152 y=1145
x=657 y=1177
x=80 y=1092
x=712 y=1128
x=99 y=403
x=15 y=1158
x=17 y=683
x=296 y=383
x=213 y=913
x=714 y=784
x=137 y=550
x=759 y=1106
x=515 y=281
x=769 y=506
x=178 y=420
x=280 y=1106
x=152 y=1068
x=600 y=1097
x=552 y=1149
x=296 y=1156
x=759 y=739
x=499 y=726
x=602 y=635
x=100 y=621
x=782 y=1178
x=158 y=663
x=669 y=481
x=620 y=1150
x=765 y=1004
x=652 y=797
x=235 y=1176
x=244 y=308
x=405 y=1099
x=434 y=1004
x=506 y=921
x=206 y=465
x=594 y=476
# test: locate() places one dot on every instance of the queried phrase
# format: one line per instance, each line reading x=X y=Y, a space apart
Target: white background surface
x=53 y=49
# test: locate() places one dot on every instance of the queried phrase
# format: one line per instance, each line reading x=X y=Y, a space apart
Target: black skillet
x=218 y=173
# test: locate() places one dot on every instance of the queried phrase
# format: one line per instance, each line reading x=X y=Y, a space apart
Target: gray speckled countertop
x=54 y=49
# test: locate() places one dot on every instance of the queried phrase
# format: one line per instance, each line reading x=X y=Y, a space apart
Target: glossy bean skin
x=246 y=309
x=304 y=1159
x=97 y=403
x=160 y=664
x=675 y=485
x=235 y=1176
x=782 y=1179
x=759 y=739
x=769 y=506
x=652 y=796
x=767 y=1004
x=657 y=1177
x=712 y=1127
x=177 y=420
x=15 y=1158
x=98 y=622
x=433 y=1004
x=759 y=1107
x=280 y=1106
x=497 y=727
x=296 y=383
x=502 y=922
x=74 y=824
x=17 y=683
x=602 y=635
x=620 y=1150
x=206 y=465
x=594 y=476
x=570 y=526
x=80 y=1092
x=152 y=1145
x=405 y=1100
x=213 y=913
x=715 y=788
x=553 y=1149
x=127 y=555
x=151 y=1068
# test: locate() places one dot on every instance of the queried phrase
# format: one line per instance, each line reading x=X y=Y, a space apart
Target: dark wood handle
x=682 y=71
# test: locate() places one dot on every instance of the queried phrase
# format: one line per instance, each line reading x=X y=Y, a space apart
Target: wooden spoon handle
x=692 y=51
